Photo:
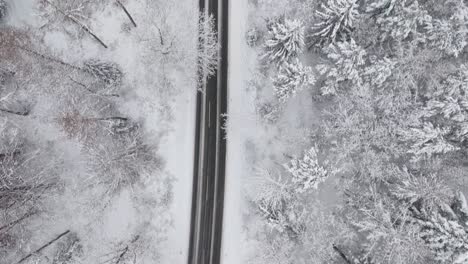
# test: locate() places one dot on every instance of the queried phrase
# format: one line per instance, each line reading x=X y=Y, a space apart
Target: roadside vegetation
x=364 y=111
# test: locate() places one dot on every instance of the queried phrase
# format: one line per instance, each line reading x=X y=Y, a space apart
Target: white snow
x=241 y=123
x=21 y=12
x=178 y=150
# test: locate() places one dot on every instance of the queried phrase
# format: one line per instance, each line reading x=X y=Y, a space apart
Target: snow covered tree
x=401 y=19
x=208 y=46
x=252 y=37
x=446 y=232
x=379 y=71
x=62 y=12
x=274 y=200
x=336 y=20
x=428 y=191
x=427 y=141
x=123 y=161
x=306 y=172
x=386 y=223
x=284 y=42
x=448 y=35
x=285 y=217
x=346 y=61
x=269 y=112
x=107 y=72
x=68 y=251
x=3 y=9
x=292 y=77
x=381 y=7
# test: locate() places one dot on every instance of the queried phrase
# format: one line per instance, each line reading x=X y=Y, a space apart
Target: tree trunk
x=43 y=247
x=19 y=220
x=342 y=254
x=74 y=20
x=24 y=113
x=48 y=58
x=112 y=118
x=127 y=13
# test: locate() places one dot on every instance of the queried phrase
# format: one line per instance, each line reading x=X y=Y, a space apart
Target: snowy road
x=210 y=152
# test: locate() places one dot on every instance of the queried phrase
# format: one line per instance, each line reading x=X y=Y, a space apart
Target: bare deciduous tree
x=122 y=161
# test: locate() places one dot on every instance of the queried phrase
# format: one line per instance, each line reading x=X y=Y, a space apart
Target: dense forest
x=382 y=176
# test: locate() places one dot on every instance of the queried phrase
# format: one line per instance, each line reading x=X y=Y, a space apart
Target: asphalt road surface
x=210 y=152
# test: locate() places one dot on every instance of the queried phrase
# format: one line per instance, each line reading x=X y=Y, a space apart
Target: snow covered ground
x=178 y=149
x=241 y=123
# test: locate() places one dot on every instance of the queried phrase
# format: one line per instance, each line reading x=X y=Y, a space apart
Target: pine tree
x=429 y=190
x=292 y=77
x=346 y=61
x=402 y=19
x=306 y=172
x=378 y=72
x=107 y=72
x=427 y=141
x=448 y=35
x=336 y=20
x=381 y=7
x=285 y=41
x=446 y=232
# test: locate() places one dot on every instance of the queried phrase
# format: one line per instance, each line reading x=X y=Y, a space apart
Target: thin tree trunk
x=24 y=113
x=342 y=254
x=43 y=247
x=19 y=220
x=91 y=91
x=108 y=118
x=45 y=57
x=127 y=13
x=84 y=27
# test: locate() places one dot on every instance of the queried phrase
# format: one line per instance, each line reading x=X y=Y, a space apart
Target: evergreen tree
x=446 y=232
x=379 y=71
x=306 y=172
x=285 y=41
x=346 y=61
x=427 y=141
x=292 y=77
x=336 y=20
x=448 y=35
x=401 y=19
x=381 y=7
